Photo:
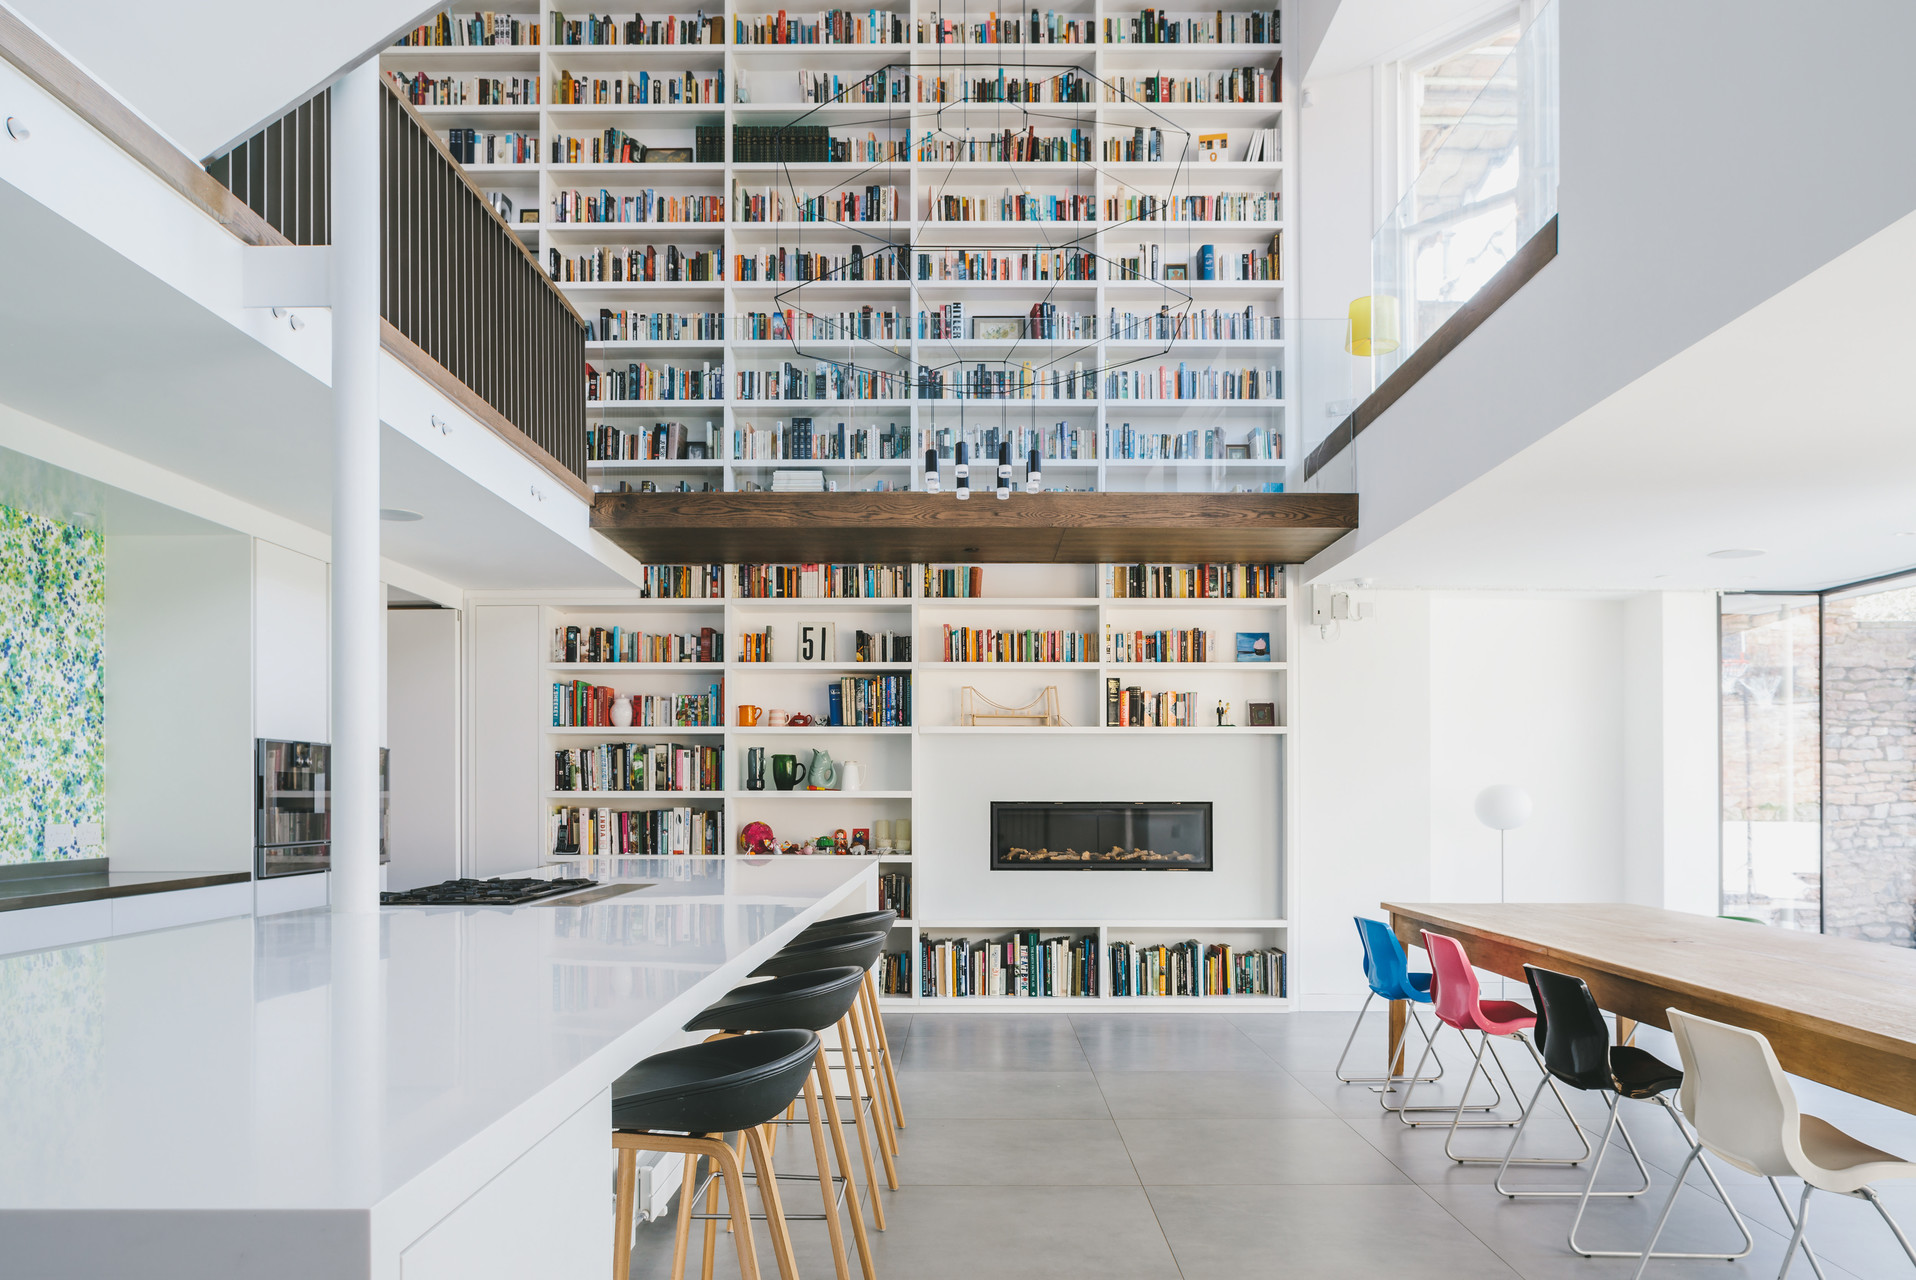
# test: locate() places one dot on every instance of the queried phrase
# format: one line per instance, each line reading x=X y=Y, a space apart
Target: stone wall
x=1869 y=767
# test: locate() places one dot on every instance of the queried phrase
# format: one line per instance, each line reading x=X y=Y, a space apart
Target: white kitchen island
x=416 y=1094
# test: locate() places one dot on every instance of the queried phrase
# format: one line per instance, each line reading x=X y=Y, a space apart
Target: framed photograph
x=695 y=450
x=1237 y=453
x=1176 y=271
x=668 y=155
x=998 y=328
x=1264 y=715
x=1213 y=146
x=818 y=642
x=528 y=215
x=1253 y=646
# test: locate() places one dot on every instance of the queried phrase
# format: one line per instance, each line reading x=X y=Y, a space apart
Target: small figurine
x=1223 y=709
x=841 y=843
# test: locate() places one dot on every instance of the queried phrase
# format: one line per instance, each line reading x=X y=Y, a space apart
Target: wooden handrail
x=1496 y=291
x=41 y=63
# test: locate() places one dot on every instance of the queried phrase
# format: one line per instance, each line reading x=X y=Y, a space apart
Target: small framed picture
x=1213 y=146
x=695 y=450
x=1264 y=715
x=1237 y=453
x=997 y=328
x=668 y=155
x=528 y=215
x=1253 y=646
x=1176 y=271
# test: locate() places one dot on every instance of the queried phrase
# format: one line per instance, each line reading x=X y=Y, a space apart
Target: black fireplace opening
x=1072 y=835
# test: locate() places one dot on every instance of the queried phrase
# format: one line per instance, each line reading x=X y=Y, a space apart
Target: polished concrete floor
x=1153 y=1147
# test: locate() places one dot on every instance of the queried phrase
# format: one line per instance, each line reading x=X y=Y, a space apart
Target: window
x=1442 y=92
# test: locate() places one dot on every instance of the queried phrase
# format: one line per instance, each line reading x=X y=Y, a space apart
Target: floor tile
x=962 y=1095
x=1268 y=1093
x=1199 y=1151
x=1323 y=1232
x=986 y=1042
x=1028 y=1152
x=1172 y=1042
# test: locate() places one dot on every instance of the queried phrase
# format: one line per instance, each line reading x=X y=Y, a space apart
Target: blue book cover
x=1207 y=262
x=837 y=703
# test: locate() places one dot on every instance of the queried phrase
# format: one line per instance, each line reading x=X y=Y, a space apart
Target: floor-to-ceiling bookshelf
x=770 y=76
x=898 y=783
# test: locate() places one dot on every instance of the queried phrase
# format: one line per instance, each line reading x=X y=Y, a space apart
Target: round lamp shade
x=1373 y=325
x=1503 y=807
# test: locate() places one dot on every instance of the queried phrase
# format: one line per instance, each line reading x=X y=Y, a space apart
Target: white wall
x=1670 y=723
x=179 y=703
x=293 y=677
x=506 y=774
x=423 y=731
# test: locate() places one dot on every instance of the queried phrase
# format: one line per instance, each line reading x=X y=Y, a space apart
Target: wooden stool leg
x=741 y=1215
x=858 y=1120
x=821 y=1071
x=682 y=1229
x=874 y=1069
x=884 y=1053
x=881 y=1120
x=626 y=1194
x=774 y=1207
x=713 y=1196
x=832 y=1224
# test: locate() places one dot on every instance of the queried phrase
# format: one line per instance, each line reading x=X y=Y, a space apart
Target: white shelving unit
x=890 y=757
x=770 y=75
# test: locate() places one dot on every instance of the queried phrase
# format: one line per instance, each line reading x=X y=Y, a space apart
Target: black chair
x=812 y=1001
x=681 y=1101
x=868 y=922
x=860 y=951
x=1577 y=1052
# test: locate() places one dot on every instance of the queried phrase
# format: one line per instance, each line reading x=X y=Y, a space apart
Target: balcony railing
x=465 y=305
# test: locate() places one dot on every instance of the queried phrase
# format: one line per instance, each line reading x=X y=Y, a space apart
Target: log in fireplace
x=1100 y=836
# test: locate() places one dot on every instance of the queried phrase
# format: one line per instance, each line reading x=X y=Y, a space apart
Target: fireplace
x=1100 y=836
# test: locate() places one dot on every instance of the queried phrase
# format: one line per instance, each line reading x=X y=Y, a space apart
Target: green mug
x=787 y=772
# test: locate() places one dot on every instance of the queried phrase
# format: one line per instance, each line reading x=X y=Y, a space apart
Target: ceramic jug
x=851 y=776
x=787 y=772
x=821 y=774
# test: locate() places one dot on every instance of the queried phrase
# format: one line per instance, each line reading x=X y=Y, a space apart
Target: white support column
x=355 y=583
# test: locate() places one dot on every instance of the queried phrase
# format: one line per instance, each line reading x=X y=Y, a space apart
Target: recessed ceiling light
x=398 y=515
x=1735 y=553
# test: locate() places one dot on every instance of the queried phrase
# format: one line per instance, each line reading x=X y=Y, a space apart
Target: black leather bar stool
x=859 y=950
x=867 y=922
x=1577 y=1051
x=813 y=1001
x=682 y=1100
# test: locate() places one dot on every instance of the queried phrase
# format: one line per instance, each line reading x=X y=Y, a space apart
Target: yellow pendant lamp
x=1373 y=325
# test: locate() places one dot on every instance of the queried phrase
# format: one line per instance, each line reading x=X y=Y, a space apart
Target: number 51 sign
x=818 y=642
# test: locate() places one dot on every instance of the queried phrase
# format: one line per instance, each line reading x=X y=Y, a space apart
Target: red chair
x=1458 y=1002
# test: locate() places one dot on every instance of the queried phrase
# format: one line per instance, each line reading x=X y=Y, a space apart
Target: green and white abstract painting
x=52 y=701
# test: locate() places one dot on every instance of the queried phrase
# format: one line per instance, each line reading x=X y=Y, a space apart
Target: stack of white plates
x=798 y=482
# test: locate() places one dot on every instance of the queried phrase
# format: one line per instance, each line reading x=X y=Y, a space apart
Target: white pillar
x=355 y=584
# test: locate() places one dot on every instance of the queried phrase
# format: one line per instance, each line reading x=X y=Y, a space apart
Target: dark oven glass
x=1100 y=836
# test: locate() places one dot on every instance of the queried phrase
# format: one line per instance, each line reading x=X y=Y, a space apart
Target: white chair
x=1744 y=1111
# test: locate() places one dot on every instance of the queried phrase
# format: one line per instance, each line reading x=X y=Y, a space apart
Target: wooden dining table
x=1837 y=1010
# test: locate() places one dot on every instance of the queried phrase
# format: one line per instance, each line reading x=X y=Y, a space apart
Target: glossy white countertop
x=314 y=1061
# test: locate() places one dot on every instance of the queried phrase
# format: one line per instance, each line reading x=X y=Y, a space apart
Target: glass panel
x=1487 y=186
x=1447 y=89
x=1771 y=728
x=1869 y=776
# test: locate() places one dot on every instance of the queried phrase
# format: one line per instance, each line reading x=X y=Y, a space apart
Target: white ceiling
x=1791 y=430
x=207 y=72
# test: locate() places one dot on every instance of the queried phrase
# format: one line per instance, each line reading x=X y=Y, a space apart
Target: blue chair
x=1387 y=970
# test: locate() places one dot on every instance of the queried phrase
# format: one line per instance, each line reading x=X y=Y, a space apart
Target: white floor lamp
x=1503 y=808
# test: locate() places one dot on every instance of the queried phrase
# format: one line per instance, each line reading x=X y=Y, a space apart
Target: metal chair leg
x=1403 y=1110
x=1395 y=1048
x=1789 y=1216
x=1459 y=1122
x=1703 y=1159
x=1869 y=1194
x=1796 y=1237
x=1588 y=1191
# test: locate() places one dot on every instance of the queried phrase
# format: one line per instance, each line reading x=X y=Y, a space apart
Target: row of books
x=637 y=833
x=1154 y=26
x=1164 y=645
x=1007 y=146
x=886 y=85
x=867 y=646
x=819 y=581
x=826 y=381
x=996 y=30
x=682 y=581
x=423 y=90
x=621 y=325
x=1023 y=207
x=1191 y=969
x=1167 y=324
x=1045 y=320
x=1193 y=382
x=804 y=442
x=834 y=26
x=1197 y=582
x=636 y=766
x=873 y=203
x=667 y=382
x=793 y=324
x=1135 y=707
x=1029 y=381
x=1020 y=644
x=647 y=265
x=648 y=88
x=1059 y=442
x=481 y=30
x=475 y=146
x=643 y=206
x=894 y=894
x=1227 y=206
x=867 y=702
x=953 y=582
x=581 y=704
x=1066 y=86
x=783 y=263
x=607 y=30
x=1248 y=85
x=573 y=643
x=894 y=973
x=1024 y=965
x=650 y=442
x=1032 y=264
x=1197 y=444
